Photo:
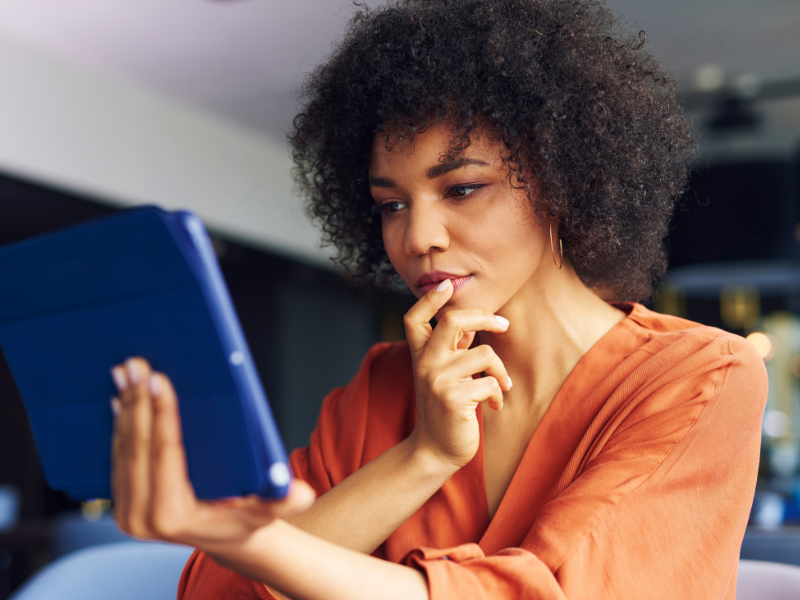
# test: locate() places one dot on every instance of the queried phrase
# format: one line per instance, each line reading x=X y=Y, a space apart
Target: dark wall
x=745 y=209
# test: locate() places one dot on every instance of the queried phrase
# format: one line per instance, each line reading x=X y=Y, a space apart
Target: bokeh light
x=776 y=423
x=794 y=365
x=763 y=344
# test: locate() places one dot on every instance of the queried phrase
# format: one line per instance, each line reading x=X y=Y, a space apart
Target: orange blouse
x=637 y=483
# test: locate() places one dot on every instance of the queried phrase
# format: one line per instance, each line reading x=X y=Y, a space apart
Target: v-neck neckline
x=556 y=437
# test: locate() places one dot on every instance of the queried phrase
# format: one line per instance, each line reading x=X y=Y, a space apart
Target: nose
x=425 y=230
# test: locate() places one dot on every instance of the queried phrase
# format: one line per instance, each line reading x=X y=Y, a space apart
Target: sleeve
x=659 y=508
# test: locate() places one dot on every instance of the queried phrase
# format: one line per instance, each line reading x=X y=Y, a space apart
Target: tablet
x=142 y=282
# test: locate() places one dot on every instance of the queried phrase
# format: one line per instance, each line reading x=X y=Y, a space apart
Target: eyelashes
x=390 y=207
x=461 y=191
x=385 y=208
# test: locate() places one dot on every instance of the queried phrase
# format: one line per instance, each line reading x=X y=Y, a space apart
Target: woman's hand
x=153 y=498
x=444 y=365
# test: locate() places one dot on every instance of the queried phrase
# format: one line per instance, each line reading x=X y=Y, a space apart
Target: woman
x=515 y=163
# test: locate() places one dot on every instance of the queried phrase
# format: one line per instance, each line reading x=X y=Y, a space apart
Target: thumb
x=466 y=340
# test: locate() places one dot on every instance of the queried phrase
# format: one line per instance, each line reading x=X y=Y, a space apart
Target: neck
x=555 y=320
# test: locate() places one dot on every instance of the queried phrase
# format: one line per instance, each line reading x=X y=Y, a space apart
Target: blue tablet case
x=144 y=282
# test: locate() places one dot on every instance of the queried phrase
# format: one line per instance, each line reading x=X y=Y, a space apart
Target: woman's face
x=456 y=217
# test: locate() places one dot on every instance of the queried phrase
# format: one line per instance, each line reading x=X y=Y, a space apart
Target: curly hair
x=590 y=121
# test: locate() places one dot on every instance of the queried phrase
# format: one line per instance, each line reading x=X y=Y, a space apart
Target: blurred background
x=113 y=103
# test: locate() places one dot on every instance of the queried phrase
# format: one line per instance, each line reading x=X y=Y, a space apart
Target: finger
x=117 y=464
x=300 y=497
x=122 y=445
x=116 y=468
x=478 y=390
x=455 y=323
x=418 y=319
x=237 y=518
x=481 y=359
x=466 y=340
x=172 y=499
x=135 y=428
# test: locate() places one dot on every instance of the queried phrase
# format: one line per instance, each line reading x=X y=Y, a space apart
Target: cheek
x=390 y=240
x=393 y=244
x=510 y=239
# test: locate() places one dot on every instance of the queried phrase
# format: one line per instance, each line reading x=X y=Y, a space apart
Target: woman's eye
x=391 y=207
x=459 y=191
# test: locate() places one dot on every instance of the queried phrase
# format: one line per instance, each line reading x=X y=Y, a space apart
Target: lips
x=428 y=281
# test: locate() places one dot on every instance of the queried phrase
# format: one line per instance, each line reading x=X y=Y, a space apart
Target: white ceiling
x=242 y=59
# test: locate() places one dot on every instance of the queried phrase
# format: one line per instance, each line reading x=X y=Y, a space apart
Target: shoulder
x=682 y=382
x=676 y=339
x=675 y=350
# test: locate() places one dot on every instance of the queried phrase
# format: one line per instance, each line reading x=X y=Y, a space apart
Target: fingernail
x=118 y=375
x=155 y=385
x=134 y=371
x=115 y=406
x=502 y=320
x=443 y=285
x=509 y=383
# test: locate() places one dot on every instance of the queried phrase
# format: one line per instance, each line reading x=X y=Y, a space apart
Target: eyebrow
x=433 y=172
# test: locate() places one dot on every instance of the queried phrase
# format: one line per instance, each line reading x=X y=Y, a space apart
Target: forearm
x=305 y=567
x=367 y=507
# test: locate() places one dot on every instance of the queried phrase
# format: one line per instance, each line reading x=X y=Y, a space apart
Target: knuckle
x=138 y=528
x=423 y=369
x=160 y=450
x=163 y=526
x=438 y=384
x=141 y=362
x=139 y=441
x=451 y=319
x=122 y=521
x=484 y=352
x=127 y=398
x=451 y=399
x=157 y=451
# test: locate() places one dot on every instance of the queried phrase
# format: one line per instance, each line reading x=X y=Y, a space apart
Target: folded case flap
x=78 y=301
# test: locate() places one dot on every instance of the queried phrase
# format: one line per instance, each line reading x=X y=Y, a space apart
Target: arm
x=154 y=499
x=311 y=568
x=658 y=500
x=364 y=509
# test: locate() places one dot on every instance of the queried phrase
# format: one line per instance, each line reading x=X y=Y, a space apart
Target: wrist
x=428 y=461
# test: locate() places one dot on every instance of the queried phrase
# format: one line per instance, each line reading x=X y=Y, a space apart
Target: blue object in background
x=122 y=571
x=10 y=505
x=779 y=546
x=73 y=531
x=145 y=283
x=769 y=510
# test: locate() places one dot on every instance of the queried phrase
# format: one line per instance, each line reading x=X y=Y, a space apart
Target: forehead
x=435 y=145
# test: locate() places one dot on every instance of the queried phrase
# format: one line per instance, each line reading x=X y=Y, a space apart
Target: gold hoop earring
x=553 y=249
